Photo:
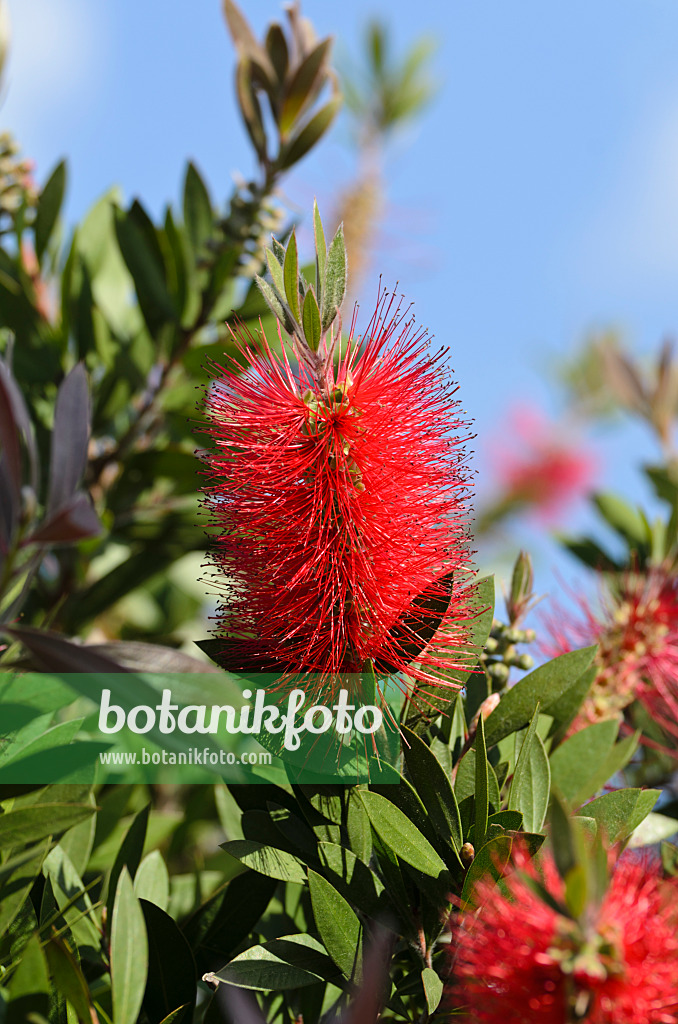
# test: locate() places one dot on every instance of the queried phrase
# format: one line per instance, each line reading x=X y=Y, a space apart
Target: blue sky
x=535 y=200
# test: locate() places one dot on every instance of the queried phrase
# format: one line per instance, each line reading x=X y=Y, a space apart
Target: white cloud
x=633 y=238
x=57 y=61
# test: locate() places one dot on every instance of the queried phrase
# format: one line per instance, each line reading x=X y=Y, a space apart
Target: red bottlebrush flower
x=339 y=505
x=637 y=634
x=518 y=960
x=538 y=469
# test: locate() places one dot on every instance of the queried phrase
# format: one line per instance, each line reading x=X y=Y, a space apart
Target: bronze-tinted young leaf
x=249 y=106
x=142 y=657
x=70 y=437
x=49 y=205
x=310 y=134
x=233 y=656
x=415 y=630
x=53 y=653
x=277 y=50
x=15 y=425
x=303 y=84
x=245 y=40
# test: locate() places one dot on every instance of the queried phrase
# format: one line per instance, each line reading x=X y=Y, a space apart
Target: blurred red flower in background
x=520 y=960
x=637 y=633
x=341 y=509
x=535 y=467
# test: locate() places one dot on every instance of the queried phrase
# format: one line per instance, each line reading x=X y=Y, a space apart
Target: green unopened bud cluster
x=501 y=654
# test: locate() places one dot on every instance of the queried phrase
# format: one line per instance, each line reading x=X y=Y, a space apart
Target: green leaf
x=546 y=684
x=576 y=761
x=30 y=824
x=266 y=860
x=434 y=787
x=482 y=786
x=320 y=251
x=130 y=853
x=49 y=205
x=531 y=784
x=292 y=961
x=624 y=519
x=198 y=216
x=29 y=987
x=334 y=284
x=73 y=900
x=465 y=782
x=151 y=881
x=129 y=953
x=310 y=134
x=433 y=988
x=565 y=710
x=521 y=763
x=17 y=885
x=358 y=828
x=276 y=272
x=68 y=979
x=563 y=839
x=239 y=908
x=351 y=877
x=339 y=928
x=619 y=813
x=291 y=275
x=280 y=311
x=398 y=833
x=654 y=829
x=489 y=861
x=301 y=87
x=171 y=968
x=311 y=320
x=481 y=605
x=148 y=273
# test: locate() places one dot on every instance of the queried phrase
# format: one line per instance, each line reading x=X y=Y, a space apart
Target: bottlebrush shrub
x=528 y=955
x=637 y=633
x=339 y=488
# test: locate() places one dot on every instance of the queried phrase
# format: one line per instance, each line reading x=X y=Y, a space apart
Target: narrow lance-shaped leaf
x=291 y=275
x=311 y=321
x=129 y=953
x=49 y=205
x=482 y=786
x=299 y=146
x=334 y=286
x=339 y=927
x=70 y=437
x=320 y=251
